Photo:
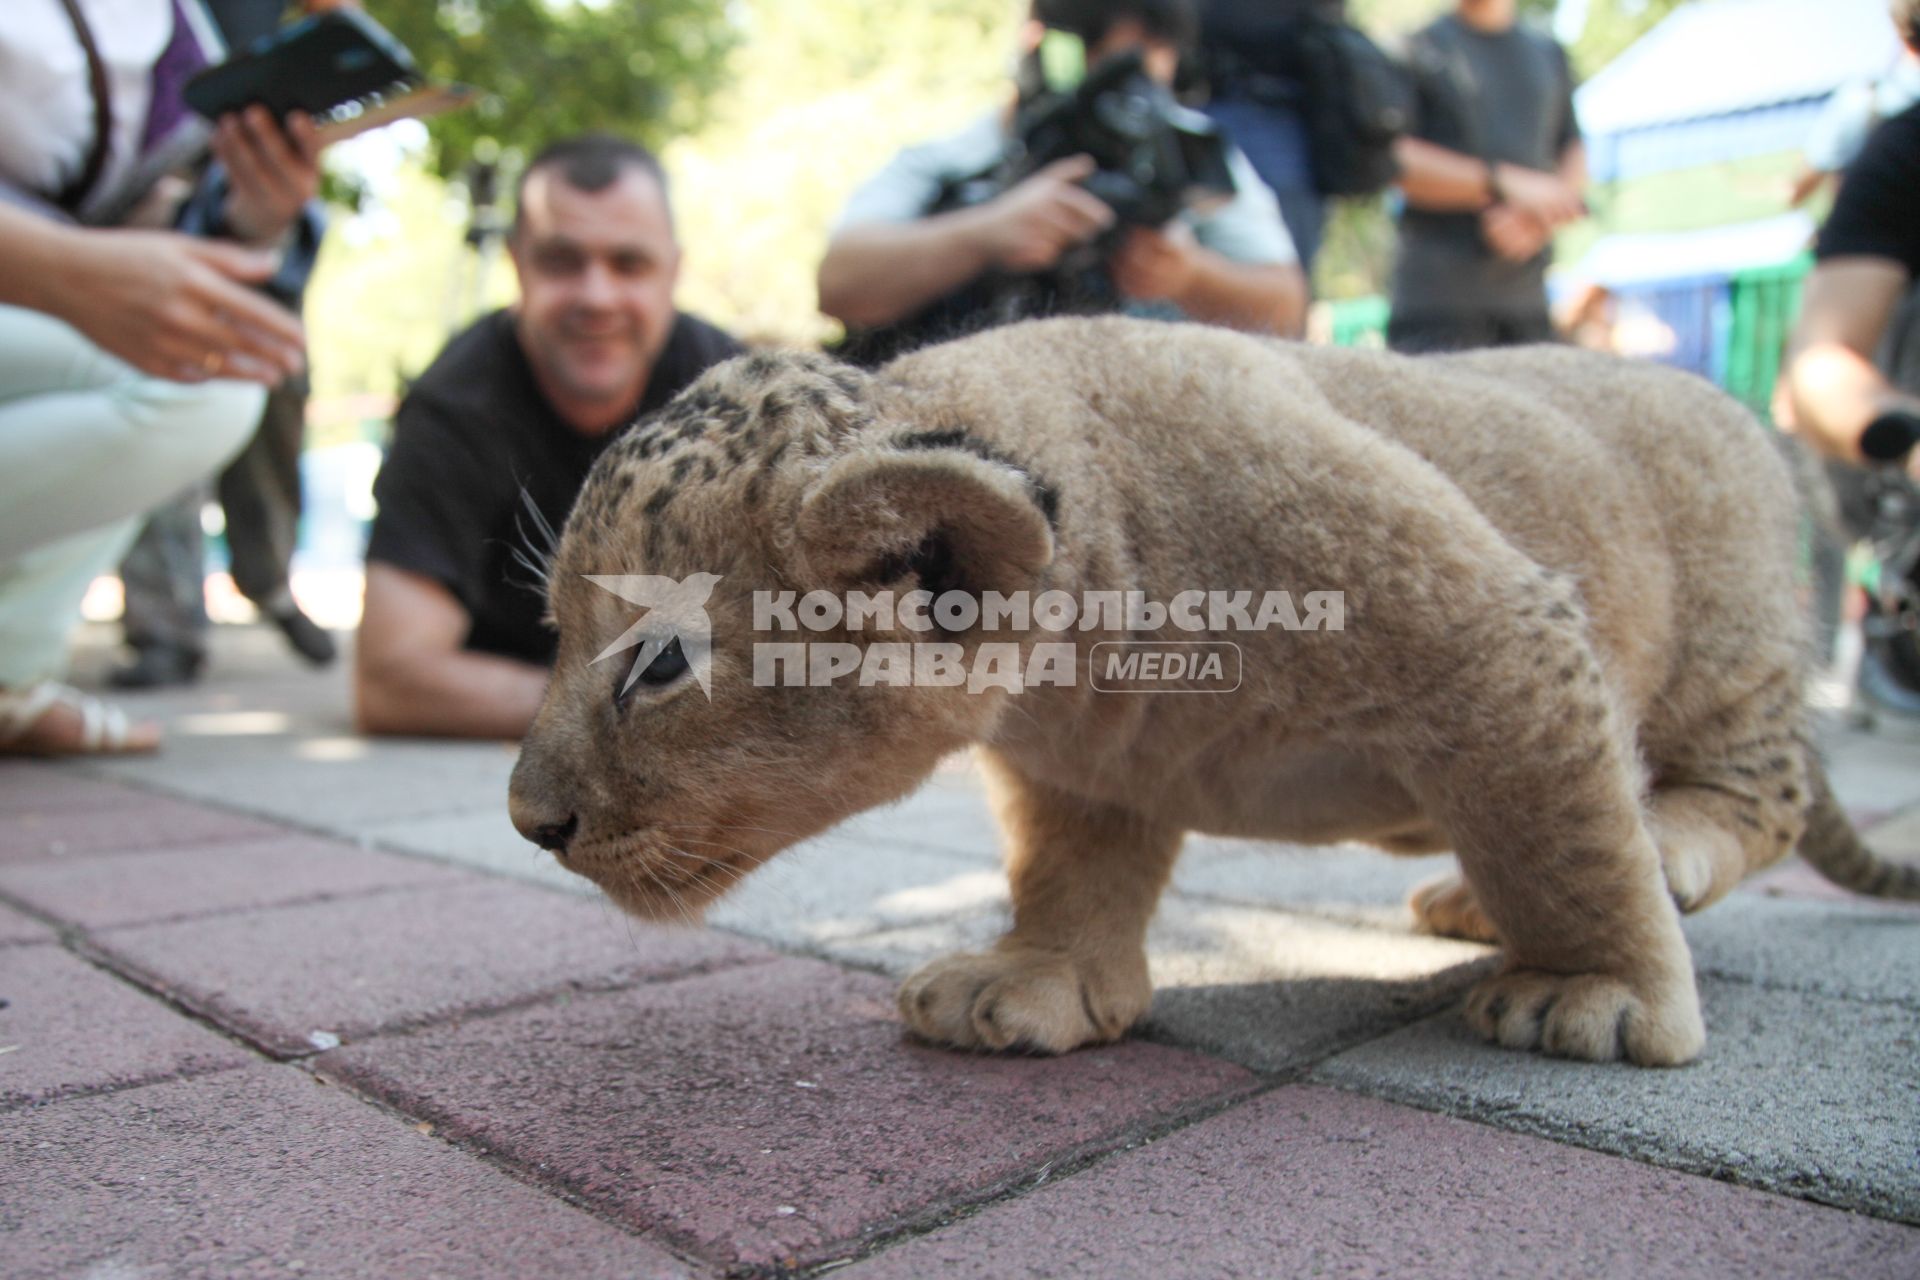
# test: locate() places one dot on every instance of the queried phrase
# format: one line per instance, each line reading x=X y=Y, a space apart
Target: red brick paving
x=71 y=827
x=67 y=1028
x=27 y=787
x=102 y=890
x=15 y=927
x=771 y=1114
x=352 y=966
x=266 y=1172
x=1308 y=1181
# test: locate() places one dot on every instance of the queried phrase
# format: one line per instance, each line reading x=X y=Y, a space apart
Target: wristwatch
x=1891 y=436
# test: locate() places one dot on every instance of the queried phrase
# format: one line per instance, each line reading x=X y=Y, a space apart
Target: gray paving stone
x=67 y=1028
x=337 y=784
x=1898 y=838
x=772 y=1115
x=1874 y=771
x=264 y=1172
x=1309 y=1182
x=1858 y=949
x=834 y=888
x=948 y=814
x=1810 y=1096
x=1352 y=882
x=1267 y=989
x=482 y=838
x=1273 y=990
x=901 y=950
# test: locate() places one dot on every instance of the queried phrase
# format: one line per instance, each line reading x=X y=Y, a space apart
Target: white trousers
x=87 y=445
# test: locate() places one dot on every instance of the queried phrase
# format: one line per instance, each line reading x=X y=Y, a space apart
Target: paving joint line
x=517 y=1171
x=1514 y=1121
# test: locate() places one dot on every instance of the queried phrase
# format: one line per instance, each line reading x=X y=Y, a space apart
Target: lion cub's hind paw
x=1445 y=906
x=1587 y=1016
x=1039 y=1002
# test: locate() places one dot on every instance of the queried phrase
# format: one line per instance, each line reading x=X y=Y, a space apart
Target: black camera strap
x=82 y=185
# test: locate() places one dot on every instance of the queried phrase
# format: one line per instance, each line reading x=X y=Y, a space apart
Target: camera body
x=1154 y=159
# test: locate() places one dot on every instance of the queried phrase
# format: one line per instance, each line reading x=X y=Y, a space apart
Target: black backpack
x=1357 y=101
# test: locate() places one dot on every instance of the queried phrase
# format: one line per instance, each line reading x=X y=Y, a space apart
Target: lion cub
x=1569 y=650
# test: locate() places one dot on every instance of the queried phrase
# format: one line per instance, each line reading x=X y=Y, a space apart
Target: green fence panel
x=1765 y=303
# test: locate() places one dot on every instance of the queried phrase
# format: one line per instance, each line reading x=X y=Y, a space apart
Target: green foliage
x=1611 y=26
x=822 y=93
x=550 y=68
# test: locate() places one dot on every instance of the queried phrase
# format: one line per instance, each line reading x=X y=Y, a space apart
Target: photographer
x=893 y=256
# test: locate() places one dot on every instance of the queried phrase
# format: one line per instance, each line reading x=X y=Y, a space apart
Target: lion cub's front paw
x=1591 y=1016
x=1023 y=999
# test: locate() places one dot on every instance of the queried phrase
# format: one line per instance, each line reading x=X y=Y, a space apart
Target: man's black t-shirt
x=474 y=442
x=1877 y=214
x=1497 y=96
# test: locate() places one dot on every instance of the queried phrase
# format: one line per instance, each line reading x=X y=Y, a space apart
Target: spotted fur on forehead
x=738 y=422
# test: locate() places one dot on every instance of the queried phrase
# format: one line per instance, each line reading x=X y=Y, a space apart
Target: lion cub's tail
x=1837 y=852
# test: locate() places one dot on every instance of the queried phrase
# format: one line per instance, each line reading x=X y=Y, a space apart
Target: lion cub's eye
x=667 y=666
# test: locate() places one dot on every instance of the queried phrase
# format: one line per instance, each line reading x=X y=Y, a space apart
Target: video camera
x=1155 y=159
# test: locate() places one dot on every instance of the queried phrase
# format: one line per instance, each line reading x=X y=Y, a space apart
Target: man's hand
x=273 y=170
x=1545 y=196
x=1156 y=266
x=1514 y=233
x=177 y=307
x=1031 y=224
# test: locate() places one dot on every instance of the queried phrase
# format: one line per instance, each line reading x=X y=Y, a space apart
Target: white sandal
x=104 y=727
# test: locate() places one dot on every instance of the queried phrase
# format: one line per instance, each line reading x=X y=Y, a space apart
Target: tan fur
x=1571 y=650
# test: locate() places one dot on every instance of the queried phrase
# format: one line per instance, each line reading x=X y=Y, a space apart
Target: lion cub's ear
x=945 y=519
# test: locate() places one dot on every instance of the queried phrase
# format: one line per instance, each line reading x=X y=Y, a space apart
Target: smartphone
x=318 y=66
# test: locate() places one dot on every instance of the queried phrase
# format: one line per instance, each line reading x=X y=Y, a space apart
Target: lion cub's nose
x=555 y=836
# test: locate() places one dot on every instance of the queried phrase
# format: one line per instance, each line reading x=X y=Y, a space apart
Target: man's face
x=1160 y=58
x=597 y=271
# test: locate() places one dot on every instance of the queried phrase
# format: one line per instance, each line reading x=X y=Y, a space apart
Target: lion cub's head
x=671 y=756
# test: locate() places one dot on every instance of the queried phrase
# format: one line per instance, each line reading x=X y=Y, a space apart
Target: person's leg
x=86 y=440
x=86 y=444
x=165 y=615
x=40 y=595
x=260 y=494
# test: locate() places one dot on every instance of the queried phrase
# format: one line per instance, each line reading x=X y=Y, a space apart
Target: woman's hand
x=272 y=171
x=176 y=307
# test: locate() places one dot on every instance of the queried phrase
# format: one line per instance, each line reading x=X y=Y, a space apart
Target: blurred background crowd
x=1664 y=165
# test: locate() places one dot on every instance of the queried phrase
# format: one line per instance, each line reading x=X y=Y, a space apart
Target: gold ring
x=211 y=363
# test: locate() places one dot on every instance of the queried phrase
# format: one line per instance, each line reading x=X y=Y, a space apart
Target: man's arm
x=1169 y=265
x=411 y=675
x=1440 y=180
x=875 y=273
x=1836 y=388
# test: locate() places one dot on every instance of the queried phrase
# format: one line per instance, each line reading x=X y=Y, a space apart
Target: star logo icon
x=675 y=609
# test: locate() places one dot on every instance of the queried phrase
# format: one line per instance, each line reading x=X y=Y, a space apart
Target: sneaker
x=308 y=638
